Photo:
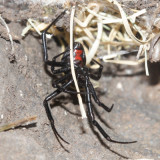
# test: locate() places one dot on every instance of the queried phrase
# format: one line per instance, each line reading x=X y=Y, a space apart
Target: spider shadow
x=59 y=102
x=103 y=143
x=96 y=112
x=27 y=126
x=62 y=100
x=154 y=77
x=154 y=73
x=121 y=72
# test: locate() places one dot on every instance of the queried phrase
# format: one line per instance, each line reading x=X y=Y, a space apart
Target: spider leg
x=90 y=86
x=96 y=99
x=74 y=92
x=55 y=57
x=98 y=76
x=44 y=43
x=92 y=118
x=48 y=109
x=55 y=84
x=59 y=64
x=61 y=70
x=65 y=77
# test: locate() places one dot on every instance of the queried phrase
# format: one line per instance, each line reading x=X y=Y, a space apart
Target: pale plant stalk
x=127 y=26
x=125 y=62
x=146 y=64
x=96 y=43
x=83 y=113
x=8 y=30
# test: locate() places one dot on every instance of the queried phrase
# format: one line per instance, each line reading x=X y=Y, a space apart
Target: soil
x=25 y=83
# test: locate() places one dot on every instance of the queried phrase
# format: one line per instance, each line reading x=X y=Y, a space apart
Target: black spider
x=83 y=75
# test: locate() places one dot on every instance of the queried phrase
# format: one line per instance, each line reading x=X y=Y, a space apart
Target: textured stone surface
x=16 y=146
x=24 y=85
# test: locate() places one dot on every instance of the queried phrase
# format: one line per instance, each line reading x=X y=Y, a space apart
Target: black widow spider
x=83 y=75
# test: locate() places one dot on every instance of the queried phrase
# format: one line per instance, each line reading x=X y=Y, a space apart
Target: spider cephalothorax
x=83 y=74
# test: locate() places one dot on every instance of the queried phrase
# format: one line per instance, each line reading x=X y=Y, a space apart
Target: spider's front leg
x=44 y=42
x=92 y=118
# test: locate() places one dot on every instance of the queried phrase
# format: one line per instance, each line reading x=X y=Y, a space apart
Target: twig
x=10 y=37
x=17 y=123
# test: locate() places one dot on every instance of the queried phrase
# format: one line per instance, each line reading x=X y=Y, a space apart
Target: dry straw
x=97 y=30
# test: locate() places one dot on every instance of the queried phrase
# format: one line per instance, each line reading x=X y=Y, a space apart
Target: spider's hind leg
x=91 y=88
x=92 y=118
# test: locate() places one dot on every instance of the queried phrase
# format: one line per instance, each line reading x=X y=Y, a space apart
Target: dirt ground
x=25 y=83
